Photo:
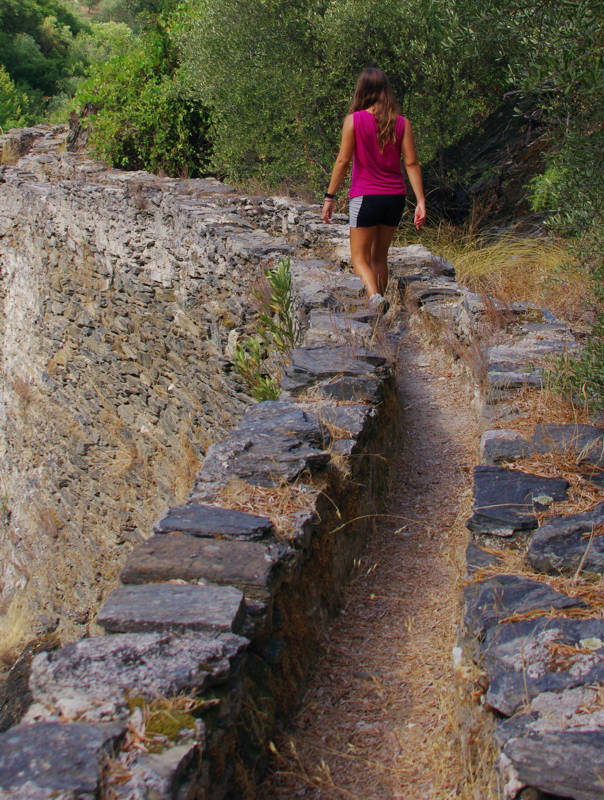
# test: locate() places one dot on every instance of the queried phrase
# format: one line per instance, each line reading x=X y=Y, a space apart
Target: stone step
x=92 y=679
x=206 y=520
x=54 y=760
x=252 y=567
x=505 y=501
x=176 y=607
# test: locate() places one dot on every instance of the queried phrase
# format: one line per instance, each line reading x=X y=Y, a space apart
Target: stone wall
x=216 y=623
x=120 y=296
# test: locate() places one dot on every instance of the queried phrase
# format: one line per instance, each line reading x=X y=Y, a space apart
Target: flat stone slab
x=54 y=760
x=166 y=606
x=348 y=389
x=564 y=543
x=414 y=256
x=311 y=365
x=92 y=679
x=567 y=764
x=252 y=567
x=490 y=601
x=275 y=441
x=354 y=419
x=586 y=442
x=505 y=500
x=578 y=708
x=477 y=558
x=503 y=445
x=524 y=659
x=210 y=521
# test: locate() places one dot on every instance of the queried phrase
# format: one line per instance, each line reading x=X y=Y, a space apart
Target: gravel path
x=377 y=720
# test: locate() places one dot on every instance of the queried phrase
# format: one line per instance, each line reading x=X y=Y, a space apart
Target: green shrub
x=141 y=118
x=257 y=356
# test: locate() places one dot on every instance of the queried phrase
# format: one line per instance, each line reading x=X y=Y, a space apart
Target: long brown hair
x=373 y=88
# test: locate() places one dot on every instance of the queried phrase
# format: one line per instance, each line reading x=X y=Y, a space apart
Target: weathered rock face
x=118 y=294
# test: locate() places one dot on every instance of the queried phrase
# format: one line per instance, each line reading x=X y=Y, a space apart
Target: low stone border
x=536 y=637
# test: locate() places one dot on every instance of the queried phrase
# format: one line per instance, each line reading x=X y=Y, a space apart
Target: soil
x=377 y=719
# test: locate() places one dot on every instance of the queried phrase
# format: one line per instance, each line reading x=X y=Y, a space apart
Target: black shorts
x=368 y=210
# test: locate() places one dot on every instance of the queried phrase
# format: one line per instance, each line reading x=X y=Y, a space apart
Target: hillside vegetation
x=255 y=91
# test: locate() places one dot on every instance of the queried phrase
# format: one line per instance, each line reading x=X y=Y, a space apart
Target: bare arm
x=340 y=168
x=414 y=173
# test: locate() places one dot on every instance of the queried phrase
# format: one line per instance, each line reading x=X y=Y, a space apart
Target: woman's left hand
x=327 y=209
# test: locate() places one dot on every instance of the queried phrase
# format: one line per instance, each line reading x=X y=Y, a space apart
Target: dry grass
x=514 y=268
x=9 y=155
x=277 y=503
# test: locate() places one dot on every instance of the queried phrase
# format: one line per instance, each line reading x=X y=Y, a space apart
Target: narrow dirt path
x=377 y=718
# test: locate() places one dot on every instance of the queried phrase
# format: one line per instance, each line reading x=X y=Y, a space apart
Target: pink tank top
x=374 y=172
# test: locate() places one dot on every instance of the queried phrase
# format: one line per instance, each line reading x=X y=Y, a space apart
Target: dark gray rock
x=571 y=709
x=490 y=601
x=310 y=365
x=353 y=419
x=563 y=543
x=347 y=389
x=52 y=759
x=253 y=567
x=326 y=326
x=157 y=775
x=92 y=679
x=205 y=520
x=477 y=558
x=275 y=441
x=503 y=445
x=505 y=500
x=567 y=764
x=166 y=606
x=584 y=441
x=524 y=659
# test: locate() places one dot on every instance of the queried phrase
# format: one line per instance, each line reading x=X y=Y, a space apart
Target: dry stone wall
x=120 y=298
x=216 y=621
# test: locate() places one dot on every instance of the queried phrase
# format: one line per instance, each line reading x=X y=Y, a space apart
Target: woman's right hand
x=327 y=209
x=420 y=214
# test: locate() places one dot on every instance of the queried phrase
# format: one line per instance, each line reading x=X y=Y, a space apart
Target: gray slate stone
x=355 y=419
x=477 y=558
x=312 y=365
x=520 y=659
x=505 y=500
x=205 y=520
x=571 y=709
x=252 y=567
x=346 y=389
x=53 y=759
x=92 y=678
x=275 y=441
x=561 y=544
x=158 y=775
x=489 y=601
x=166 y=606
x=567 y=764
x=503 y=445
x=584 y=441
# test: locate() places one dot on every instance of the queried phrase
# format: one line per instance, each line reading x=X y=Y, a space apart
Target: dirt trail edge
x=375 y=721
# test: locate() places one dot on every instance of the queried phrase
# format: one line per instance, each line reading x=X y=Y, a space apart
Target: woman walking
x=376 y=135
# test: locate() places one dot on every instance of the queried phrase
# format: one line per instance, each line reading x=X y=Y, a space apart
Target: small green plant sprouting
x=277 y=334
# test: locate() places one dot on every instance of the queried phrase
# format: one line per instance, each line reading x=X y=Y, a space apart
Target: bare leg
x=361 y=248
x=379 y=255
